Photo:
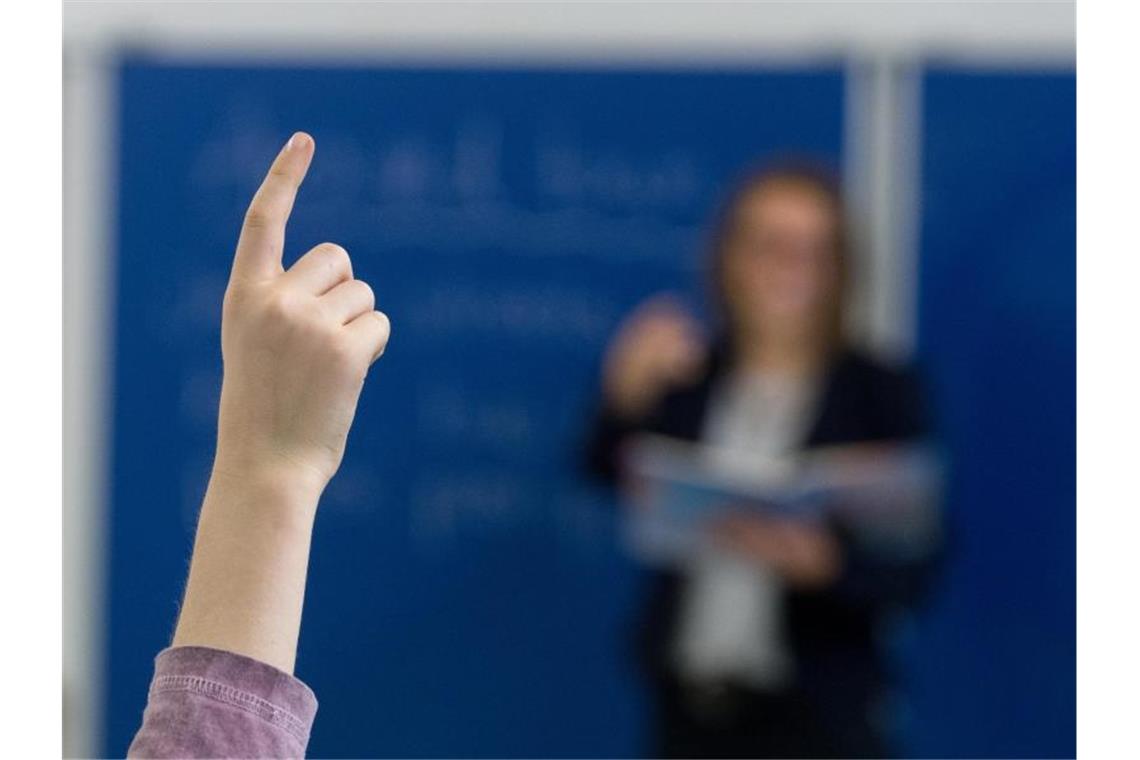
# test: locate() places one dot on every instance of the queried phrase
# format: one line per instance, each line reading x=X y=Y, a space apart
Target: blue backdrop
x=468 y=595
x=995 y=672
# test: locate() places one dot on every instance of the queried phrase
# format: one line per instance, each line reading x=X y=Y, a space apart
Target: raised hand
x=658 y=346
x=296 y=344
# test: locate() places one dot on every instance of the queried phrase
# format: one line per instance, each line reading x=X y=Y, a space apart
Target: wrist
x=265 y=488
x=628 y=403
x=240 y=464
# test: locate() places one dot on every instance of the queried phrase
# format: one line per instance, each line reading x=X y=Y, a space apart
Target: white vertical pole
x=882 y=149
x=87 y=285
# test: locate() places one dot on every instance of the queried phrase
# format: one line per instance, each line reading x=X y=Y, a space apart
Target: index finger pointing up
x=262 y=240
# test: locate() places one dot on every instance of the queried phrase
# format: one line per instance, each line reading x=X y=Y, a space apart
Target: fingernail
x=298 y=140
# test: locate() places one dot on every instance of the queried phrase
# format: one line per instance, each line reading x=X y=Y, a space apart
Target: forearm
x=246 y=585
x=296 y=347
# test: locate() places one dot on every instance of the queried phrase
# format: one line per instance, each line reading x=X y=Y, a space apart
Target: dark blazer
x=832 y=632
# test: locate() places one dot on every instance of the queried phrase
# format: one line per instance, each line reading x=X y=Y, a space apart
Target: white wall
x=882 y=39
x=702 y=30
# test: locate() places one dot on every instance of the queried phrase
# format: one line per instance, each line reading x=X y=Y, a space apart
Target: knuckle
x=383 y=330
x=383 y=323
x=256 y=217
x=344 y=359
x=384 y=333
x=367 y=294
x=282 y=175
x=325 y=312
x=335 y=258
x=280 y=304
x=232 y=299
x=334 y=253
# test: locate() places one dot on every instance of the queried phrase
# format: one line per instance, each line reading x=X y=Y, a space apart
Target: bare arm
x=296 y=345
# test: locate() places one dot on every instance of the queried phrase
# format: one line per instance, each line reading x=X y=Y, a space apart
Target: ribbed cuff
x=240 y=681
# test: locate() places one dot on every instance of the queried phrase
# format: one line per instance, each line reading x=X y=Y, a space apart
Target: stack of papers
x=884 y=496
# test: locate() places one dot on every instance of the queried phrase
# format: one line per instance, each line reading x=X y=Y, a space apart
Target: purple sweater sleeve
x=210 y=703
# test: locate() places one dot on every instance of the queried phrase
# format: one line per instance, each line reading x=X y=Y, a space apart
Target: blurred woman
x=767 y=648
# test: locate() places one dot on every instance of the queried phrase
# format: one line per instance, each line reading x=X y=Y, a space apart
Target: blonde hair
x=803 y=174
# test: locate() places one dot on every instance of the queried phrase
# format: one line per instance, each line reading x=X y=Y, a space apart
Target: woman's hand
x=657 y=347
x=805 y=554
x=296 y=346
